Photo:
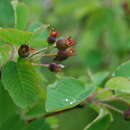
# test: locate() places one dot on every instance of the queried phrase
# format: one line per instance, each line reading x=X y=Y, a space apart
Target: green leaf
x=21 y=15
x=21 y=81
x=105 y=94
x=38 y=43
x=36 y=111
x=6 y=13
x=39 y=124
x=4 y=53
x=41 y=35
x=98 y=78
x=119 y=84
x=123 y=70
x=66 y=93
x=7 y=107
x=14 y=36
x=13 y=123
x=101 y=122
x=34 y=27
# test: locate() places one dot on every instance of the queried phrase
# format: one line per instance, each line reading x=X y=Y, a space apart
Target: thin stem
x=90 y=75
x=41 y=50
x=109 y=107
x=102 y=91
x=53 y=114
x=115 y=98
x=44 y=65
x=90 y=98
x=48 y=54
x=37 y=52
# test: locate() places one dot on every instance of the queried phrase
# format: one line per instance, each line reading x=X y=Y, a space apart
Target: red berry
x=24 y=51
x=54 y=34
x=51 y=39
x=55 y=67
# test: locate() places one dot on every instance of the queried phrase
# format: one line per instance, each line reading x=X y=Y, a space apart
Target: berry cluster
x=64 y=46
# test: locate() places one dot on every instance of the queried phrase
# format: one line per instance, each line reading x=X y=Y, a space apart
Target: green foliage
x=14 y=36
x=123 y=70
x=7 y=108
x=101 y=122
x=10 y=125
x=21 y=81
x=41 y=35
x=21 y=14
x=30 y=96
x=66 y=93
x=120 y=84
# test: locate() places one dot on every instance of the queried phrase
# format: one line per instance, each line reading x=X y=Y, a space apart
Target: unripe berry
x=51 y=39
x=24 y=51
x=55 y=67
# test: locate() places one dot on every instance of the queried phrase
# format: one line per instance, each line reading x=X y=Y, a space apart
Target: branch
x=81 y=105
x=55 y=113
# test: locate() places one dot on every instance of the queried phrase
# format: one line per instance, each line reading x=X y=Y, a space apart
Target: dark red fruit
x=51 y=39
x=24 y=51
x=127 y=114
x=61 y=44
x=55 y=67
x=64 y=54
x=64 y=43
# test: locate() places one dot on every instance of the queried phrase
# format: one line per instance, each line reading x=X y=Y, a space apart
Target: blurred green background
x=102 y=31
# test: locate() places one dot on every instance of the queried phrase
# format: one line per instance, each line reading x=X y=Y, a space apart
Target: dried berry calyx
x=127 y=114
x=24 y=51
x=55 y=67
x=64 y=43
x=64 y=54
